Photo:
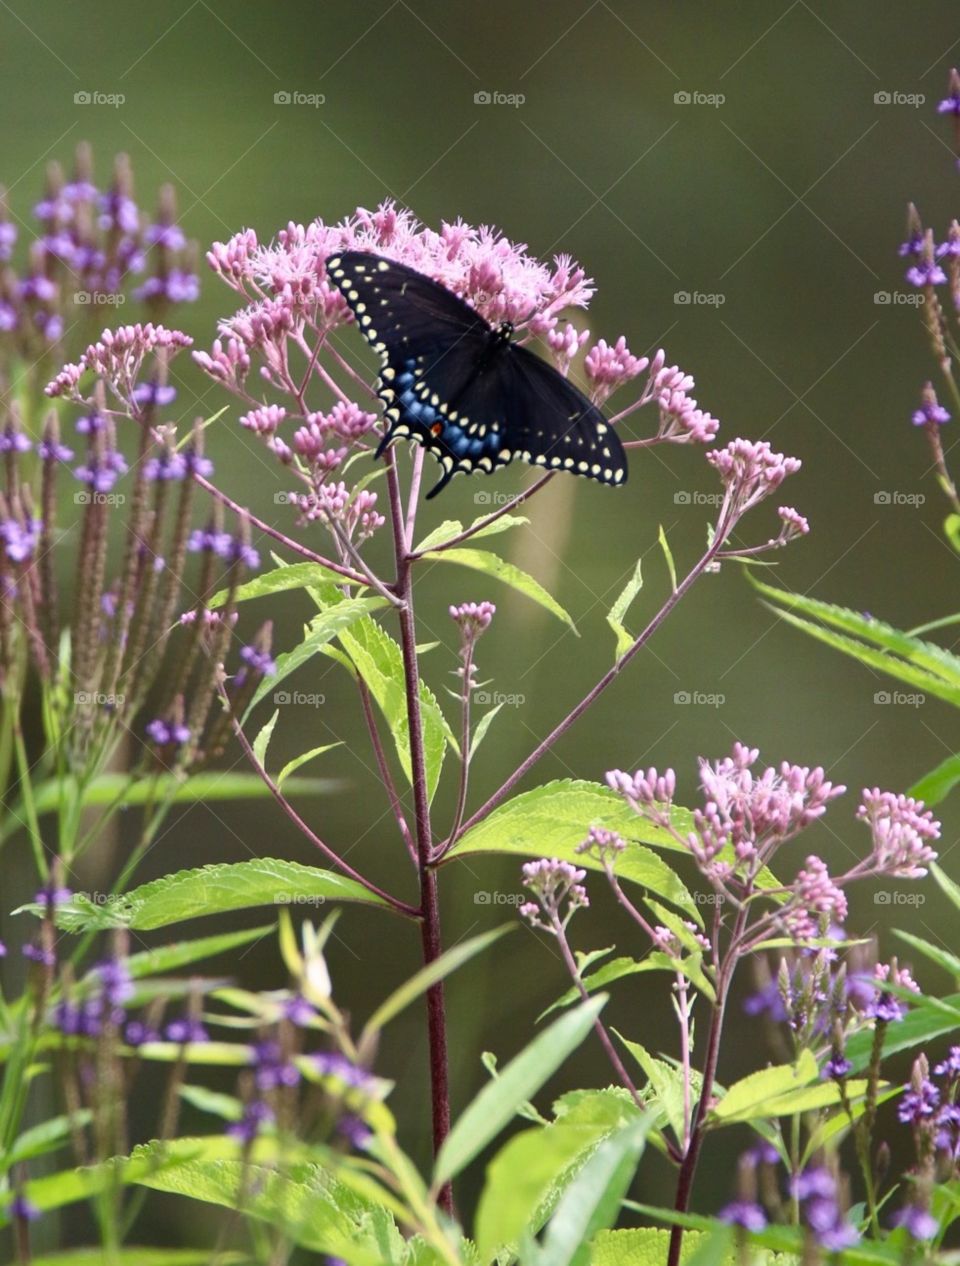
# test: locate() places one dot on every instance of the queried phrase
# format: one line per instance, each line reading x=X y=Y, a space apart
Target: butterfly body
x=461 y=387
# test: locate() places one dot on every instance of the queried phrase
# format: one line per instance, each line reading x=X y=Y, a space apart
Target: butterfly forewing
x=452 y=383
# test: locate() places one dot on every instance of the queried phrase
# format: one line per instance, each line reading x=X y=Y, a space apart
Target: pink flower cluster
x=555 y=885
x=118 y=359
x=750 y=471
x=353 y=515
x=818 y=901
x=901 y=829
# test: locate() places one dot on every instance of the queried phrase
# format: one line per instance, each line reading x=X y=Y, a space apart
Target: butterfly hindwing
x=452 y=383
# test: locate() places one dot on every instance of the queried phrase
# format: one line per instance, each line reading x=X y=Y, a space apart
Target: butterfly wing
x=448 y=386
x=429 y=341
x=552 y=423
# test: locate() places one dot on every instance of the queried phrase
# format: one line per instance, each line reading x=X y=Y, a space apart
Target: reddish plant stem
x=400 y=907
x=607 y=679
x=688 y=1166
x=429 y=897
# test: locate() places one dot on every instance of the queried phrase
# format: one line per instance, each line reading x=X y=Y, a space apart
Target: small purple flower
x=258 y=662
x=168 y=732
x=13 y=440
x=271 y=1069
x=186 y=1031
x=169 y=236
x=20 y=540
x=926 y=273
x=919 y=1104
x=54 y=451
x=950 y=1067
x=8 y=239
x=837 y=1067
x=22 y=1210
x=931 y=410
x=919 y=1223
x=256 y=1114
x=152 y=393
x=354 y=1130
x=165 y=466
x=197 y=465
x=744 y=1213
x=36 y=954
x=298 y=1011
x=137 y=1033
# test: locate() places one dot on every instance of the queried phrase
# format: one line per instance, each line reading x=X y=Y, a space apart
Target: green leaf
x=198 y=788
x=190 y=894
x=782 y=1090
x=224 y=1107
x=668 y=556
x=481 y=728
x=308 y=1202
x=621 y=606
x=497 y=1102
x=591 y=1203
x=769 y=1083
x=947 y=885
x=167 y=958
x=129 y=1256
x=528 y=1175
x=452 y=528
x=289 y=576
x=616 y=969
x=379 y=661
x=939 y=782
x=427 y=976
x=43 y=1138
x=649 y=1245
x=942 y=957
x=492 y=565
x=665 y=1083
x=323 y=628
x=262 y=741
x=552 y=820
x=878 y=645
x=302 y=759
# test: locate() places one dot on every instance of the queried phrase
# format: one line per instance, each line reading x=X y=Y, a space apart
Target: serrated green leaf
x=879 y=645
x=527 y=1177
x=552 y=820
x=939 y=782
x=497 y=1102
x=280 y=579
x=648 y=1246
x=41 y=1139
x=591 y=1202
x=452 y=528
x=481 y=728
x=619 y=610
x=494 y=566
x=781 y=1090
x=191 y=894
x=323 y=628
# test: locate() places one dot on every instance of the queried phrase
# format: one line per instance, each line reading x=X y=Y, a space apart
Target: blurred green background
x=784 y=202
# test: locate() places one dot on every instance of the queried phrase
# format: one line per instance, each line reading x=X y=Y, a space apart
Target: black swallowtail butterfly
x=457 y=385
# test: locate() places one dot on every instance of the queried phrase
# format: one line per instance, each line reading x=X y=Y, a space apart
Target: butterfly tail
x=448 y=474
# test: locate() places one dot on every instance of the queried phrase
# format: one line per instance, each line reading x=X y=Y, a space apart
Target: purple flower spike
x=919 y=1223
x=744 y=1213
